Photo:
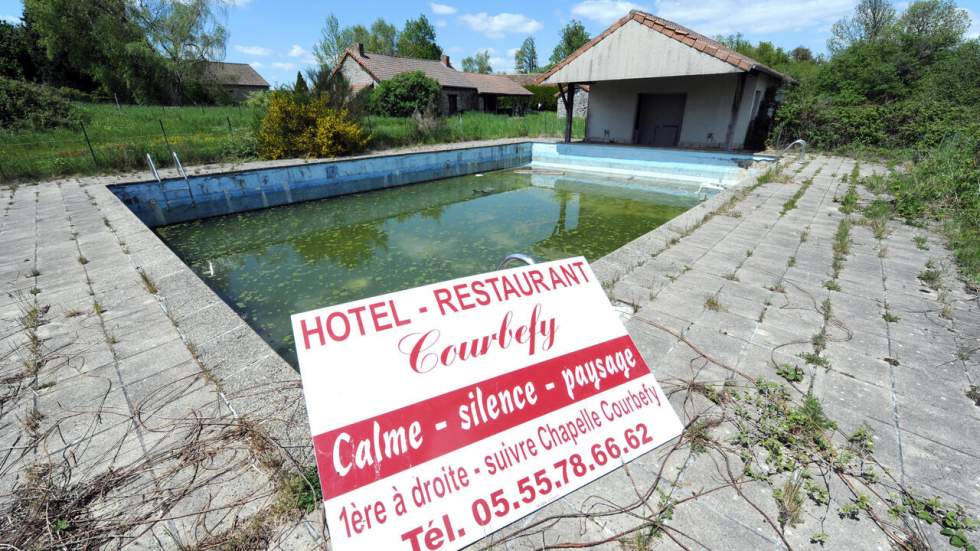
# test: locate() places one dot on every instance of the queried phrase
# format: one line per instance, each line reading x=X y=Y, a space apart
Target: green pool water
x=272 y=263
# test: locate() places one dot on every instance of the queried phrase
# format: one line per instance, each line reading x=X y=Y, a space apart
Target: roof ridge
x=677 y=32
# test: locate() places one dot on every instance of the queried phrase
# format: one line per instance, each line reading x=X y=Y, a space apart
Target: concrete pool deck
x=137 y=409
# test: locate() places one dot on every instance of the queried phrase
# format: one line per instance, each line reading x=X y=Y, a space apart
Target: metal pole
x=165 y=138
x=89 y=142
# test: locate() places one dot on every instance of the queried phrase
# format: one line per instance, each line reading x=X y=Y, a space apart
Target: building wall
x=635 y=51
x=239 y=93
x=356 y=76
x=707 y=112
x=466 y=99
x=580 y=104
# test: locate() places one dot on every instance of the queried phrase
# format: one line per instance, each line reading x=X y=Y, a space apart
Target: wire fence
x=122 y=139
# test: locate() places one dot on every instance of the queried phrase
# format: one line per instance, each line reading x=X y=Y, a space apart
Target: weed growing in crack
x=974 y=394
x=730 y=276
x=98 y=309
x=82 y=260
x=789 y=501
x=814 y=359
x=890 y=318
x=862 y=441
x=791 y=262
x=921 y=242
x=955 y=521
x=931 y=277
x=711 y=303
x=791 y=373
x=148 y=283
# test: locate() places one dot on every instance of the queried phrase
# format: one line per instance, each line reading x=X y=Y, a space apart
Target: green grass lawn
x=121 y=137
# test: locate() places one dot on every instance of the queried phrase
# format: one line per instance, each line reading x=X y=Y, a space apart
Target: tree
x=526 y=57
x=573 y=37
x=418 y=40
x=479 y=63
x=101 y=40
x=801 y=53
x=930 y=25
x=186 y=33
x=870 y=21
x=332 y=43
x=300 y=88
x=404 y=94
x=383 y=38
x=334 y=39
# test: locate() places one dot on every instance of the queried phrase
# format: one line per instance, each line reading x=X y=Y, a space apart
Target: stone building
x=460 y=91
x=238 y=79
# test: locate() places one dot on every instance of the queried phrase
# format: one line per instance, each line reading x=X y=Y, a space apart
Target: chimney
x=444 y=59
x=358 y=48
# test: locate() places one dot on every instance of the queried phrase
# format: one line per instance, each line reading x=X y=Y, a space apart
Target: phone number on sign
x=530 y=488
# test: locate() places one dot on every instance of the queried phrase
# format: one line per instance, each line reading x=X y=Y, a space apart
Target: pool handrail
x=518 y=257
x=802 y=143
x=153 y=168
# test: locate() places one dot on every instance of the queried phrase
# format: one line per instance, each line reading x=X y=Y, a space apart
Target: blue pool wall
x=696 y=167
x=178 y=200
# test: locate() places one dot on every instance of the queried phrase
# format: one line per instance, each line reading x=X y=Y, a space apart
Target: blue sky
x=276 y=36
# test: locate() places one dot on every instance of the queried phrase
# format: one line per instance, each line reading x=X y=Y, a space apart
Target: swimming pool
x=271 y=263
x=277 y=240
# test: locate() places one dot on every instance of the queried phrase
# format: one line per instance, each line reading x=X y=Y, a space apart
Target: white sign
x=443 y=413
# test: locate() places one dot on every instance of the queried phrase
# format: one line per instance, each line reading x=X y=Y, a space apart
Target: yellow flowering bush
x=307 y=127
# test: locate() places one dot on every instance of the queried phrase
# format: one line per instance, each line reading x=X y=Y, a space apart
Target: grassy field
x=121 y=138
x=393 y=131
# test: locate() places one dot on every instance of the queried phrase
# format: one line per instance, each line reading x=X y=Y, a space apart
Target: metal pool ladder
x=801 y=143
x=516 y=257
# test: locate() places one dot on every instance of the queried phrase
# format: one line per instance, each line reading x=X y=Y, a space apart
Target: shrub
x=28 y=105
x=294 y=127
x=546 y=96
x=405 y=94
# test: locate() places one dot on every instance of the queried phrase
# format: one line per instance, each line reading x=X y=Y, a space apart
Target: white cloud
x=442 y=9
x=754 y=17
x=603 y=11
x=12 y=19
x=496 y=26
x=284 y=65
x=252 y=50
x=256 y=64
x=304 y=55
x=512 y=52
x=441 y=23
x=974 y=30
x=236 y=3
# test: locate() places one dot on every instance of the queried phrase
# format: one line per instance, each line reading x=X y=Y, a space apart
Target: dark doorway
x=659 y=118
x=453 y=104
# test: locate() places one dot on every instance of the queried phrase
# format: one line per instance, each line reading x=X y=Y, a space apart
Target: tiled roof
x=233 y=74
x=529 y=79
x=496 y=84
x=679 y=33
x=383 y=67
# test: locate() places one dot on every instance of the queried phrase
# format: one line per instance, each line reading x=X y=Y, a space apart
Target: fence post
x=166 y=140
x=89 y=142
x=227 y=118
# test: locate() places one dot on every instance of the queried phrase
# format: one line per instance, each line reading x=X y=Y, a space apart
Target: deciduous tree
x=573 y=37
x=418 y=39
